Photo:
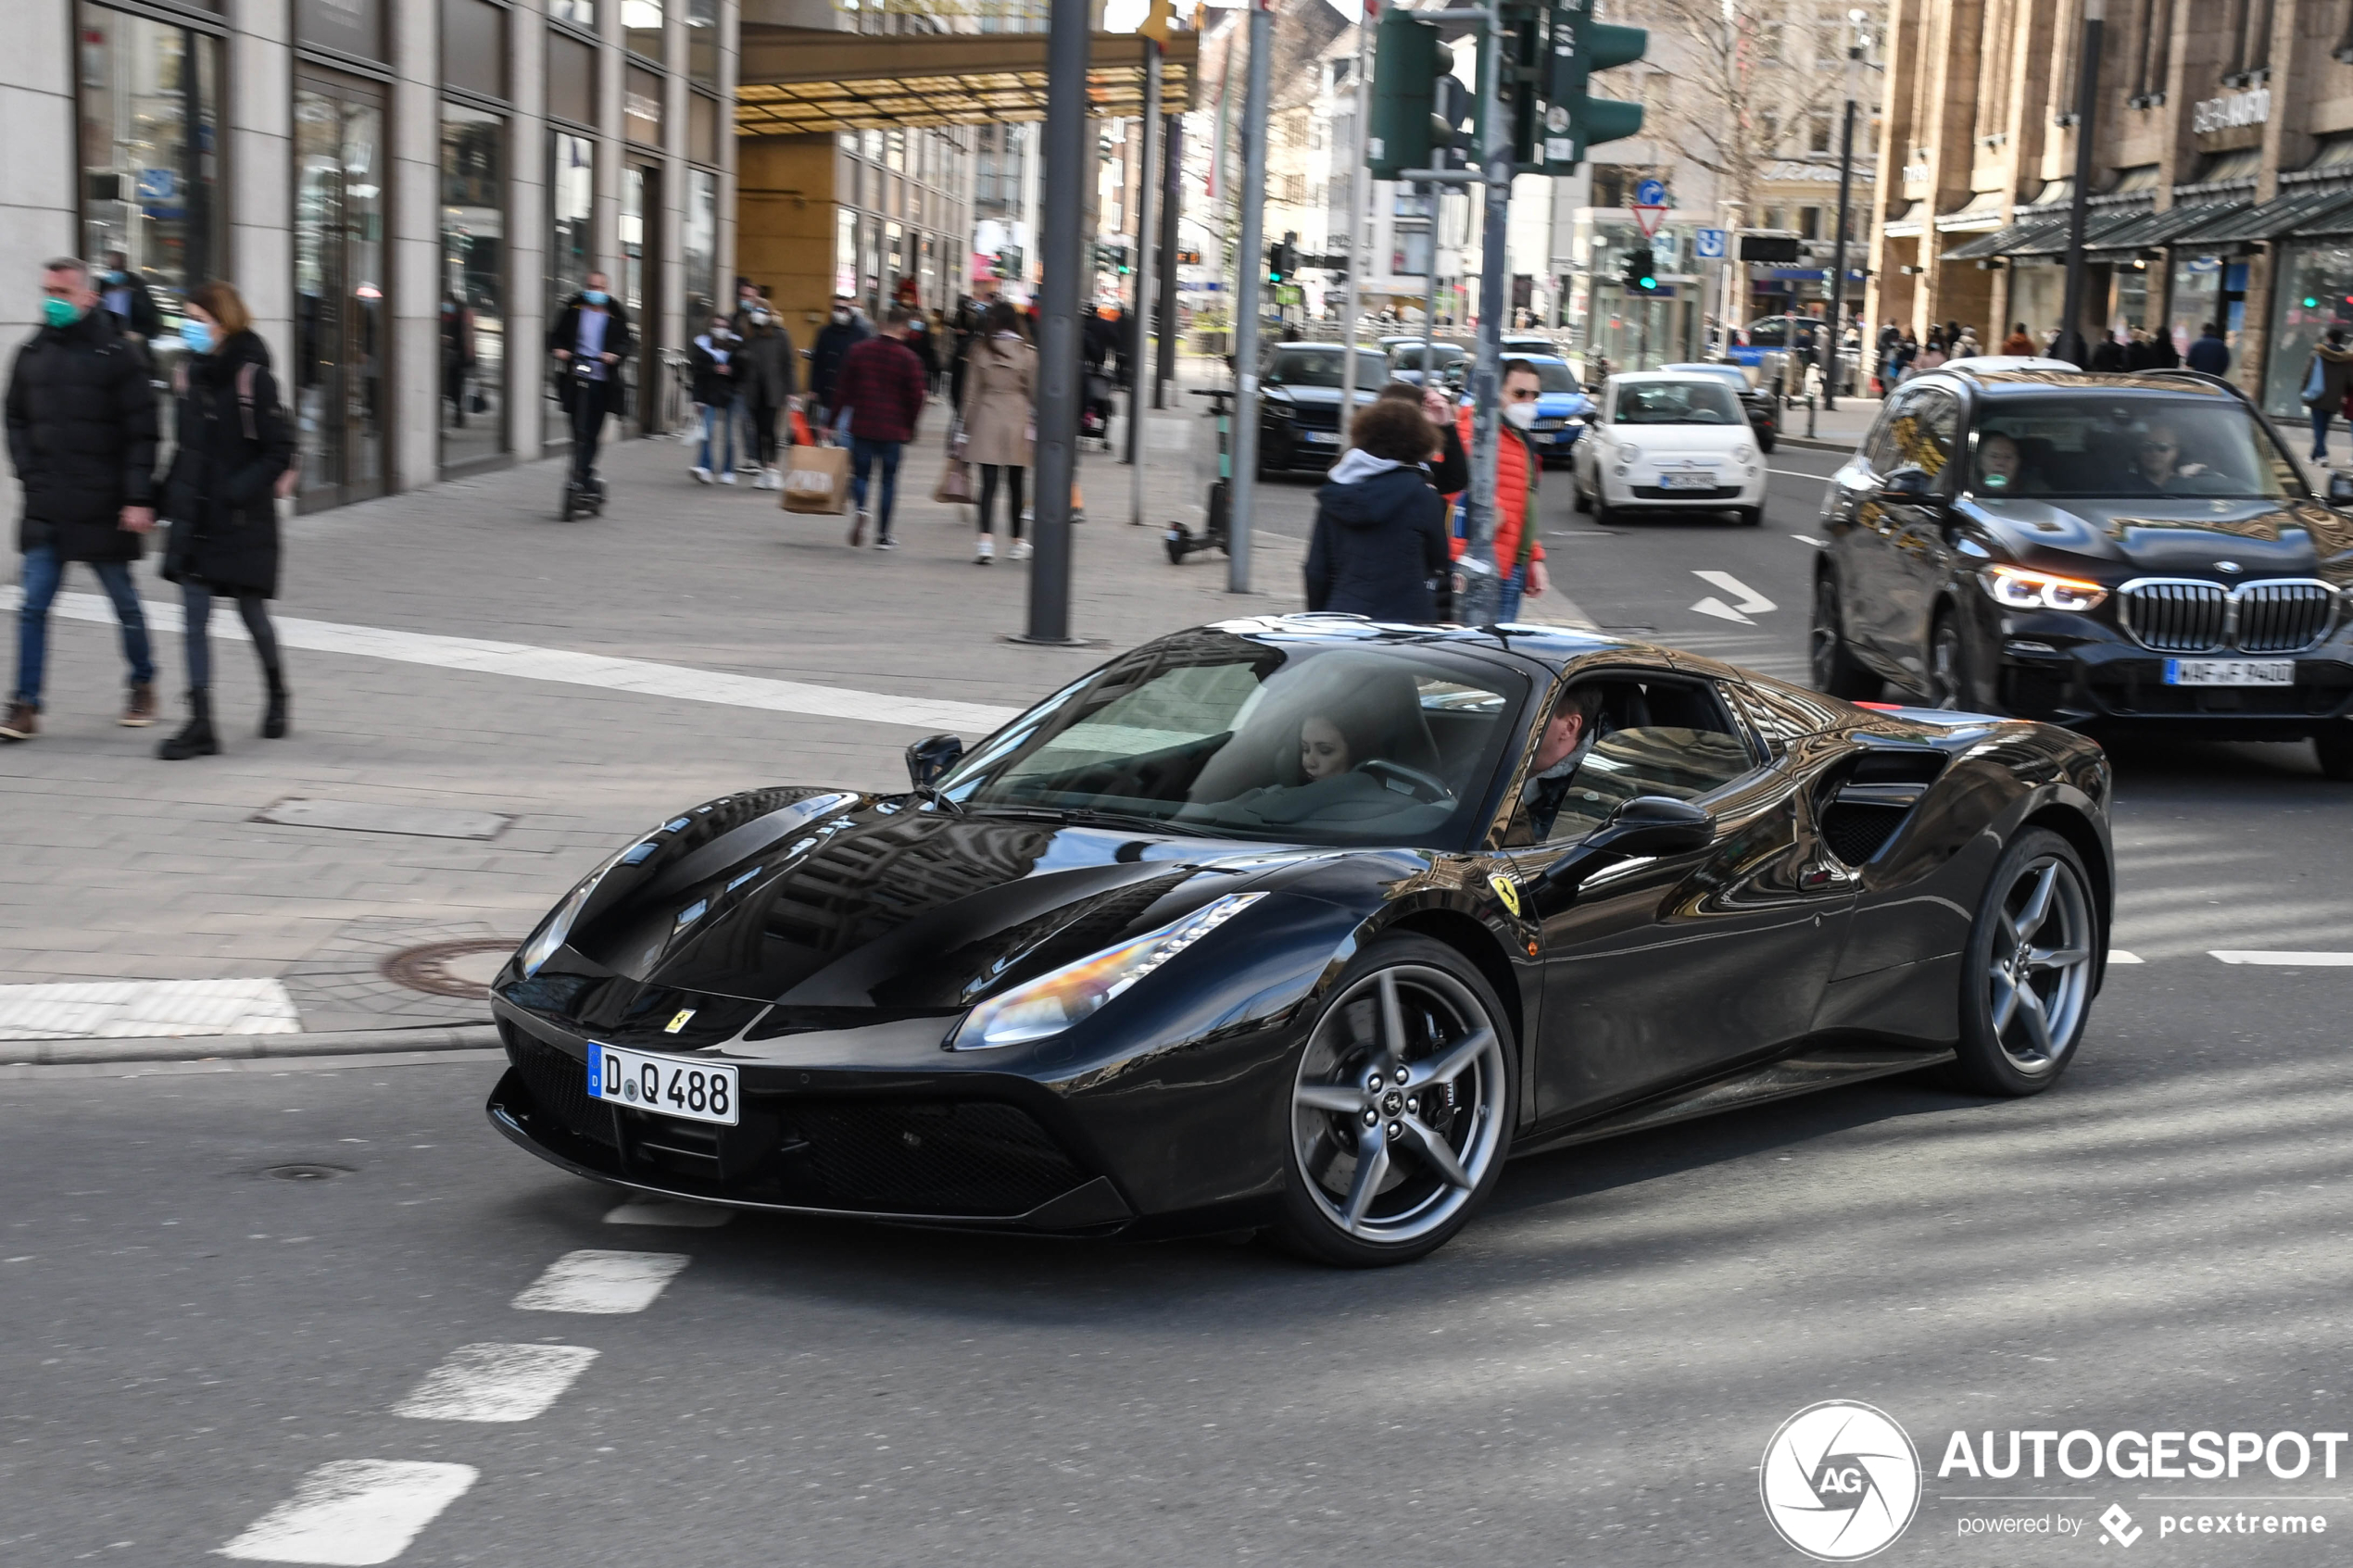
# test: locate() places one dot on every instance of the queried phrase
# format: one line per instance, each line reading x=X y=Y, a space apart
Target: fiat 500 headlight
x=2020 y=589
x=1051 y=1003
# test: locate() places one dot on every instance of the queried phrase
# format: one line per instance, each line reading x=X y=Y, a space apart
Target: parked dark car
x=2104 y=551
x=1280 y=923
x=1298 y=423
x=1406 y=361
x=1763 y=414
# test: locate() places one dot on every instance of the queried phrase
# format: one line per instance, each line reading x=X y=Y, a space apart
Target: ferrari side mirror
x=929 y=759
x=1648 y=824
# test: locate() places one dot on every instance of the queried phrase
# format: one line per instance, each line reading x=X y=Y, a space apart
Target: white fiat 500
x=1660 y=442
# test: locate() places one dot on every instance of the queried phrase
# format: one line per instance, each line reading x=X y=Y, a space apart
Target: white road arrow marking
x=1745 y=599
x=1809 y=539
x=1720 y=610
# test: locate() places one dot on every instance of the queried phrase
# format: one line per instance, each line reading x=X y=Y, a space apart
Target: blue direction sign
x=1709 y=245
x=1651 y=193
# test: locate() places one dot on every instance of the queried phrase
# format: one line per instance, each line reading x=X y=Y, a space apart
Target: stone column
x=38 y=218
x=258 y=114
x=413 y=246
x=528 y=307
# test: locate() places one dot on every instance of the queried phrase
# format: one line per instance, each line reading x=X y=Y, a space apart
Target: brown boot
x=22 y=723
x=139 y=711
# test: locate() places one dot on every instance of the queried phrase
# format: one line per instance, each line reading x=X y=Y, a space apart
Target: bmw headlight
x=1278 y=410
x=2020 y=589
x=1051 y=1003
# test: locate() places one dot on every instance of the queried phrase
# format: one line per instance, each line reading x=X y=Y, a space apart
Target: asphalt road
x=1590 y=1374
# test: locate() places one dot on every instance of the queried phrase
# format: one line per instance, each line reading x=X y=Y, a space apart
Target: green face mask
x=59 y=312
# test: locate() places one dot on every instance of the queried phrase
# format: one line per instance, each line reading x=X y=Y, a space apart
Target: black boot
x=196 y=739
x=274 y=718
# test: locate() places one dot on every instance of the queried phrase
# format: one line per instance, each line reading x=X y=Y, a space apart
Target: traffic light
x=1574 y=119
x=1405 y=73
x=1641 y=276
x=1282 y=260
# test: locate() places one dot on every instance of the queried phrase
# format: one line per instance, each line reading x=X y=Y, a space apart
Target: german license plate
x=2230 y=671
x=1687 y=482
x=692 y=1091
x=1320 y=438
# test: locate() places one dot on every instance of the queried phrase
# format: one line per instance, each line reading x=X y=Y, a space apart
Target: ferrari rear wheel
x=2026 y=986
x=1401 y=1107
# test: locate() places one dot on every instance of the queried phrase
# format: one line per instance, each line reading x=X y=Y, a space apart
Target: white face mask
x=1520 y=416
x=842 y=316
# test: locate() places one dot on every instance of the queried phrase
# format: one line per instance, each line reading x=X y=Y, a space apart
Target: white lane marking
x=1745 y=599
x=661 y=1211
x=353 y=1512
x=144 y=1009
x=1801 y=474
x=2118 y=955
x=1809 y=539
x=1720 y=610
x=496 y=1382
x=590 y=1280
x=2289 y=960
x=524 y=661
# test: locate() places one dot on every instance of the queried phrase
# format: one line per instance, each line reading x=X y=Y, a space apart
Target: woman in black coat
x=221 y=501
x=1379 y=541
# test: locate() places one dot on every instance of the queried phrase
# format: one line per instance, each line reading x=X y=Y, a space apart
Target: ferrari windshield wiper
x=1085 y=816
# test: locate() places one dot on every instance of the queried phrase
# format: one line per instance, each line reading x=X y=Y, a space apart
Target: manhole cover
x=462 y=968
x=306 y=1172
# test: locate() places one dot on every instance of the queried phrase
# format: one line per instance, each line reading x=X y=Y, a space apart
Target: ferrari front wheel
x=1401 y=1107
x=2026 y=984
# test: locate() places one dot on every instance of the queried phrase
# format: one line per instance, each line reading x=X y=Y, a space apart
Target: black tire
x=2334 y=746
x=1606 y=515
x=2008 y=1054
x=1948 y=683
x=1749 y=517
x=1835 y=670
x=1578 y=499
x=1765 y=440
x=1449 y=1015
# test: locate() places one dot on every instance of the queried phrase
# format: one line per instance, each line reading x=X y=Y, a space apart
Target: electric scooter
x=1215 y=530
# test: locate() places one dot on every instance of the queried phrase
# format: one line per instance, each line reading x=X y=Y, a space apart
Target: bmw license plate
x=2230 y=671
x=693 y=1091
x=1687 y=482
x=1320 y=438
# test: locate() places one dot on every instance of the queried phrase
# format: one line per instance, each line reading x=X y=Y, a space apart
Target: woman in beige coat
x=1001 y=378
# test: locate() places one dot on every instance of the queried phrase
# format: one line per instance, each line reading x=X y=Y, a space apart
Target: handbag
x=955 y=486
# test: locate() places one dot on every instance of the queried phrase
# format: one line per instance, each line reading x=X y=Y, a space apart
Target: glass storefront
x=2311 y=291
x=2038 y=295
x=572 y=201
x=338 y=275
x=2207 y=288
x=641 y=25
x=473 y=287
x=640 y=275
x=2128 y=306
x=150 y=117
x=699 y=252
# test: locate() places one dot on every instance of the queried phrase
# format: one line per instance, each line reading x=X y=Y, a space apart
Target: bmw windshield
x=1212 y=733
x=1323 y=367
x=2083 y=445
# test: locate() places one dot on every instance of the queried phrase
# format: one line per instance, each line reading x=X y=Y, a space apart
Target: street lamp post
x=1250 y=275
x=1069 y=172
x=1838 y=243
x=2071 y=346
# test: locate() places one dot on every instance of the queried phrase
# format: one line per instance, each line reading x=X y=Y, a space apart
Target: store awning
x=2153 y=229
x=2097 y=226
x=2004 y=242
x=797 y=81
x=2244 y=221
x=1983 y=210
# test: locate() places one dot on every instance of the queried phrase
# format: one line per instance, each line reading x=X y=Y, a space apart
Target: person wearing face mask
x=713 y=356
x=81 y=435
x=842 y=332
x=127 y=299
x=589 y=339
x=1519 y=554
x=764 y=388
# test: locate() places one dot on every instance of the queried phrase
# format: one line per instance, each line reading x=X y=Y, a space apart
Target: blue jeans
x=2321 y=415
x=718 y=418
x=42 y=574
x=1514 y=584
x=864 y=455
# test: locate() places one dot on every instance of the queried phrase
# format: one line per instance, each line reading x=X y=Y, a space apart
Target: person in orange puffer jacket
x=1519 y=549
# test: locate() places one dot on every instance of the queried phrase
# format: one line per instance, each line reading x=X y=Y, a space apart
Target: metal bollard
x=1810 y=401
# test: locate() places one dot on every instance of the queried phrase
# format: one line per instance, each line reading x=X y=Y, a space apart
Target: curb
x=1813 y=444
x=200 y=1048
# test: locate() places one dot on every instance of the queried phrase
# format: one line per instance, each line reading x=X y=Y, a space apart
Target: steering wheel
x=1418 y=785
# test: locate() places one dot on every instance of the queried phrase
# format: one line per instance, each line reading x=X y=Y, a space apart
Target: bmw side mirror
x=2340 y=488
x=929 y=759
x=1907 y=484
x=1648 y=824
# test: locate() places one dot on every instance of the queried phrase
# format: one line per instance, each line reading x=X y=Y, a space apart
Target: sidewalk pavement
x=1833 y=430
x=459 y=655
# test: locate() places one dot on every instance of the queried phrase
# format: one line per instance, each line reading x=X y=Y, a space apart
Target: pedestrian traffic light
x=1574 y=119
x=1641 y=271
x=1275 y=270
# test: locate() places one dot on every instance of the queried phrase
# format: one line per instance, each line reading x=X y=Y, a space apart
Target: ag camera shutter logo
x=1840 y=1480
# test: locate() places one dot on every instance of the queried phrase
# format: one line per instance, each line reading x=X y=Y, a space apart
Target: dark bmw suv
x=2103 y=551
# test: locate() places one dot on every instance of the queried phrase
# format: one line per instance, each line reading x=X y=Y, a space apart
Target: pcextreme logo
x=1840 y=1480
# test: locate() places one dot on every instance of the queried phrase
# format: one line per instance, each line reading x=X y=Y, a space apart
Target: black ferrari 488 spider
x=1308 y=923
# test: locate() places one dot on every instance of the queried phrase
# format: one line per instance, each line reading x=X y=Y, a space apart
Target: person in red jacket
x=878 y=395
x=1519 y=549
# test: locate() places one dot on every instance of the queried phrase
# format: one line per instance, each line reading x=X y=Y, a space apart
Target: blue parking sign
x=1710 y=243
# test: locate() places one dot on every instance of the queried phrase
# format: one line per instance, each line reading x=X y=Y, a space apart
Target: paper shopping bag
x=817 y=479
x=955 y=486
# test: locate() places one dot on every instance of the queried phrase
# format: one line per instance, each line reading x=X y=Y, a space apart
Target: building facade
x=403 y=190
x=2221 y=190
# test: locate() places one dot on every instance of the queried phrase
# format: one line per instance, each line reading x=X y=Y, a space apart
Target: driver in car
x=2157 y=461
x=2001 y=465
x=1575 y=725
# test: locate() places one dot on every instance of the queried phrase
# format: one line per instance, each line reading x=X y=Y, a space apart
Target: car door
x=1673 y=968
x=1860 y=533
x=1919 y=554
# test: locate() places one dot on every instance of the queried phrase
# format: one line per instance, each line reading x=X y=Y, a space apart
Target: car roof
x=2013 y=380
x=1653 y=377
x=1709 y=370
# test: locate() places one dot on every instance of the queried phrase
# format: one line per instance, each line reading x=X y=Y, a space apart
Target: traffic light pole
x=1138 y=324
x=1479 y=603
x=1354 y=249
x=1249 y=261
x=1069 y=172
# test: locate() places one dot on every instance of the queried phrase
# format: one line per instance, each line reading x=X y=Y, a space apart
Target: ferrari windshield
x=1213 y=732
x=2083 y=445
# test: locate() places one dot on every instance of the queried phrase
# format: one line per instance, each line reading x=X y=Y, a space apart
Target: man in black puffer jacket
x=82 y=433
x=1379 y=541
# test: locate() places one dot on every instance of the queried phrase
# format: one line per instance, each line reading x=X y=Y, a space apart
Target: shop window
x=641 y=25
x=2314 y=293
x=641 y=107
x=572 y=191
x=349 y=26
x=473 y=284
x=700 y=252
x=702 y=42
x=571 y=79
x=702 y=127
x=579 y=13
x=150 y=110
x=474 y=46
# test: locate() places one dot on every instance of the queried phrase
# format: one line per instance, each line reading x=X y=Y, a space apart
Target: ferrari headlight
x=1051 y=1003
x=2020 y=589
x=556 y=930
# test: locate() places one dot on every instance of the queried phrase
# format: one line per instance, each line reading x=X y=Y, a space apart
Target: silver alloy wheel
x=1397 y=1110
x=2039 y=974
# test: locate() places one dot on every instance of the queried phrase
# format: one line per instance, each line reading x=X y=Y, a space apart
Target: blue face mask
x=594 y=296
x=198 y=336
